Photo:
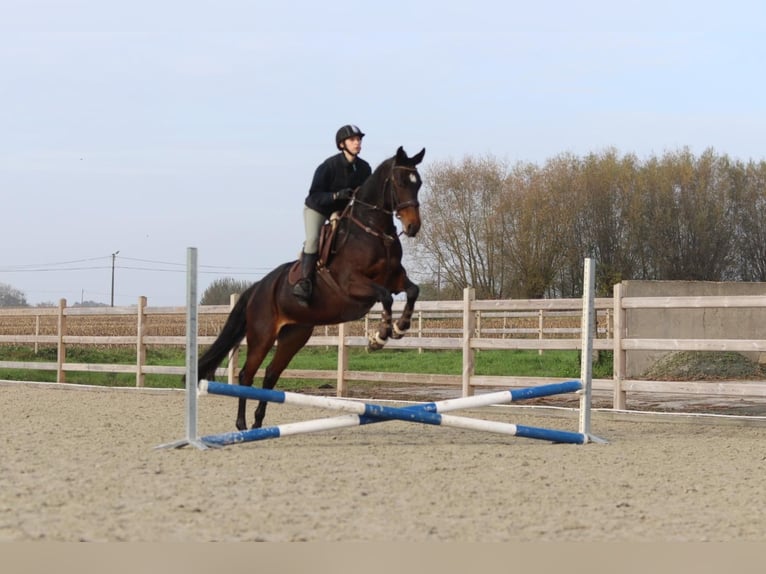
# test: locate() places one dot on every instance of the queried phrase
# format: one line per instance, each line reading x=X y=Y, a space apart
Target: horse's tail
x=230 y=336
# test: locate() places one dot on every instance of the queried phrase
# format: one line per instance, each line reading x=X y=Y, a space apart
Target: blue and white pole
x=366 y=413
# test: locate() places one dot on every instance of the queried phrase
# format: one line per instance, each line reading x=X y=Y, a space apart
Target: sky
x=130 y=131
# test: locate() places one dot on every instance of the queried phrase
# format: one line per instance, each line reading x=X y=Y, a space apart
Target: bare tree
x=533 y=214
x=688 y=217
x=460 y=241
x=524 y=232
x=749 y=182
x=603 y=201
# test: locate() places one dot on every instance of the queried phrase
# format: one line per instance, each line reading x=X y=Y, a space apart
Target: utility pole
x=114 y=256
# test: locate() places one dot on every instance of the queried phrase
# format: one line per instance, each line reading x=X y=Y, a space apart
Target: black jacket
x=335 y=173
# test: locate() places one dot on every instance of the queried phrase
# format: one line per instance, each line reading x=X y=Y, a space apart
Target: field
x=169 y=325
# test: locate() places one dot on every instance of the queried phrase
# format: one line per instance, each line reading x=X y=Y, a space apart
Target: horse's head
x=403 y=184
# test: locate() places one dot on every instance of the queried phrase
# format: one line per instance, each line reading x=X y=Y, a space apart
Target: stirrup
x=302 y=290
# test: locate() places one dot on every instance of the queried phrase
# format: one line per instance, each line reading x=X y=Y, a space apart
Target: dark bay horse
x=365 y=267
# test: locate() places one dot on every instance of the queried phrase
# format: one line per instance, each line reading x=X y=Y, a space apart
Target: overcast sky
x=146 y=127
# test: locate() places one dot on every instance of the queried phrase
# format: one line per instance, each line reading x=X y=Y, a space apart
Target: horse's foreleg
x=404 y=322
x=377 y=340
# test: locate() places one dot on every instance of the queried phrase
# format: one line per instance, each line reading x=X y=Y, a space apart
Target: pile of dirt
x=705 y=366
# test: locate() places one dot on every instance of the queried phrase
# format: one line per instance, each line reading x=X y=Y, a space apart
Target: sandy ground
x=79 y=465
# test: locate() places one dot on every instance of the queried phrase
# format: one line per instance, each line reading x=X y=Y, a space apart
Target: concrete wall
x=689 y=323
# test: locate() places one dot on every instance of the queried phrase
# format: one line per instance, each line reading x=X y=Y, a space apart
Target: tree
x=535 y=209
x=524 y=233
x=604 y=201
x=750 y=184
x=219 y=291
x=11 y=297
x=461 y=242
x=89 y=303
x=688 y=218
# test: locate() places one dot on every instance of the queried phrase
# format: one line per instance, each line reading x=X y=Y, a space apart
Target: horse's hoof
x=398 y=333
x=375 y=343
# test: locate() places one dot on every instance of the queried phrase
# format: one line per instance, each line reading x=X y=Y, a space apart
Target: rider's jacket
x=333 y=174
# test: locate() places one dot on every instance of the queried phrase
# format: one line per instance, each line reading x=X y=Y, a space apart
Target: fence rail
x=469 y=325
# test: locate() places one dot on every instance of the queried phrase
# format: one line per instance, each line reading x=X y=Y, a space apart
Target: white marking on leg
x=376 y=341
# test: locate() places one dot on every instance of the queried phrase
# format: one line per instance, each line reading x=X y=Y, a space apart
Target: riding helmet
x=347 y=131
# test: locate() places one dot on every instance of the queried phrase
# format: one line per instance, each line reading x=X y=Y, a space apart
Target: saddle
x=327 y=237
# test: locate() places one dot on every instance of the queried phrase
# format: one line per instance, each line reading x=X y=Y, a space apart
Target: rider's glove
x=344 y=194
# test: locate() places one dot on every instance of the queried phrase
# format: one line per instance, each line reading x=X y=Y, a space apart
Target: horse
x=363 y=267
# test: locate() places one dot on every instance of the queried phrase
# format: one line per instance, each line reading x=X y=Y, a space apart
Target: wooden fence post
x=469 y=330
x=342 y=361
x=37 y=332
x=420 y=330
x=140 y=345
x=61 y=353
x=619 y=400
x=234 y=353
x=540 y=328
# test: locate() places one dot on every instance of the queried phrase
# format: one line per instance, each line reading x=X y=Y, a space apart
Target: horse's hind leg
x=256 y=352
x=404 y=322
x=290 y=340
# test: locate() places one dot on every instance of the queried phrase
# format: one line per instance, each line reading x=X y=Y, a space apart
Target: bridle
x=392 y=188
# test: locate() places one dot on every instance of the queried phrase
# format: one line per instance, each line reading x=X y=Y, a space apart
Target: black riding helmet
x=347 y=131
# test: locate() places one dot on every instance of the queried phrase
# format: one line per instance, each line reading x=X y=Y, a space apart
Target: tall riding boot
x=305 y=285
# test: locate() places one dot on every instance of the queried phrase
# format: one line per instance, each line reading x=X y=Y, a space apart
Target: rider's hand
x=344 y=194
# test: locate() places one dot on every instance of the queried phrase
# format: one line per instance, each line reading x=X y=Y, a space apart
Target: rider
x=331 y=189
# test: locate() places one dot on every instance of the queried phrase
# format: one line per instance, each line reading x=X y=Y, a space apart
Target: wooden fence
x=469 y=325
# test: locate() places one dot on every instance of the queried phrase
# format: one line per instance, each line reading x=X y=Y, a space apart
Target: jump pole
x=366 y=413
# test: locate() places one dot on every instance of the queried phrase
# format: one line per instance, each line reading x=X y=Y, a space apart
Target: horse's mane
x=376 y=179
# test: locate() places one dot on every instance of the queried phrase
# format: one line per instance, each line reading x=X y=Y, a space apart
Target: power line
x=159 y=270
x=32 y=265
x=200 y=266
x=214 y=271
x=12 y=270
x=176 y=267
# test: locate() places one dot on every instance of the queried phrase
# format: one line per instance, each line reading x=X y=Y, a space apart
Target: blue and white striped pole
x=365 y=413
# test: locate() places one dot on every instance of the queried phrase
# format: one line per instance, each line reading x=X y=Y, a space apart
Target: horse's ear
x=401 y=156
x=419 y=157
